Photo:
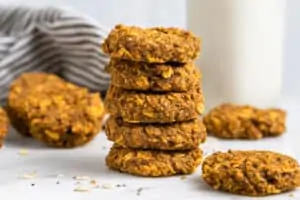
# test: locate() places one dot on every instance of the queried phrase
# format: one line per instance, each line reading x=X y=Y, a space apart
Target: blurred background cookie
x=54 y=111
x=3 y=126
x=244 y=121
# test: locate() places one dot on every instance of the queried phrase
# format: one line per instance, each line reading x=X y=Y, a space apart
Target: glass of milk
x=242 y=49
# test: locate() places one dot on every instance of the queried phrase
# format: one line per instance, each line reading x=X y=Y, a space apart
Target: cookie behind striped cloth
x=51 y=40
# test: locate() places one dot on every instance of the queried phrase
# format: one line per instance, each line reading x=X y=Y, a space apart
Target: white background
x=172 y=13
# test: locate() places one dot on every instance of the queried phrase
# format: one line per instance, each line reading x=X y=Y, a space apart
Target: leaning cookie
x=138 y=107
x=153 y=163
x=54 y=111
x=251 y=173
x=152 y=45
x=175 y=136
x=243 y=121
x=143 y=76
x=3 y=126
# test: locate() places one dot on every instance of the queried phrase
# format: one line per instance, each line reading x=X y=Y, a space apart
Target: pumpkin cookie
x=136 y=107
x=235 y=121
x=3 y=126
x=251 y=173
x=54 y=111
x=174 y=136
x=152 y=45
x=143 y=76
x=153 y=163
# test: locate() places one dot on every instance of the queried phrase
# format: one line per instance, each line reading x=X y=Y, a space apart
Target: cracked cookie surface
x=152 y=45
x=251 y=173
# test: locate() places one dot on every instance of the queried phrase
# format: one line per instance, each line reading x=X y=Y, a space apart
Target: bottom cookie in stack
x=153 y=163
x=155 y=149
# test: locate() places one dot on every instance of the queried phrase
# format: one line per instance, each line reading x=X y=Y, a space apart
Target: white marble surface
x=89 y=161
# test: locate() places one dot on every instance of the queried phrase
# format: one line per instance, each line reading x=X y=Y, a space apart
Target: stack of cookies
x=155 y=101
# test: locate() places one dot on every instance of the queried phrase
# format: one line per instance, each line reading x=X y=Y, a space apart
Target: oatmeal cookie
x=152 y=45
x=236 y=121
x=143 y=76
x=3 y=126
x=153 y=163
x=174 y=136
x=54 y=111
x=251 y=173
x=138 y=107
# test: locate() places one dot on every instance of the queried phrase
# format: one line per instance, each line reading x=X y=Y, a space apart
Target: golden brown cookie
x=54 y=111
x=3 y=126
x=135 y=107
x=153 y=77
x=153 y=163
x=152 y=45
x=236 y=121
x=174 y=136
x=251 y=173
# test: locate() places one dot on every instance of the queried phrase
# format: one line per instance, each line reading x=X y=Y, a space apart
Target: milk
x=242 y=49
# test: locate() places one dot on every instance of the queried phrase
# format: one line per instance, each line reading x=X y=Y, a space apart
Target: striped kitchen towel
x=51 y=40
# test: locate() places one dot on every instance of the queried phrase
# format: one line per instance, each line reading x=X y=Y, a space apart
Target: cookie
x=174 y=136
x=54 y=111
x=136 y=107
x=251 y=173
x=152 y=45
x=244 y=121
x=143 y=76
x=153 y=163
x=3 y=126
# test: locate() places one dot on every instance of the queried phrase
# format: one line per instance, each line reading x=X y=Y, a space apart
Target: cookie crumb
x=183 y=177
x=107 y=186
x=81 y=189
x=81 y=178
x=23 y=152
x=27 y=176
x=138 y=192
x=93 y=182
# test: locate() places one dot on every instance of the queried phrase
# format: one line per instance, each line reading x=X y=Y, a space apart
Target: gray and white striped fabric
x=51 y=40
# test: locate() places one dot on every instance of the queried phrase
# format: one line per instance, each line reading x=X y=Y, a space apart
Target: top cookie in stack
x=155 y=100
